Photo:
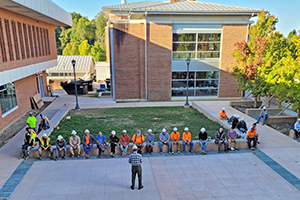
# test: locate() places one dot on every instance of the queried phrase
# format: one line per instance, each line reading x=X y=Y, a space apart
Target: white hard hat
x=223 y=108
x=86 y=131
x=124 y=131
x=60 y=137
x=45 y=135
x=175 y=128
x=202 y=129
x=163 y=130
x=30 y=113
x=149 y=130
x=264 y=107
x=242 y=119
x=299 y=119
x=237 y=116
x=74 y=132
x=134 y=147
x=186 y=129
x=113 y=132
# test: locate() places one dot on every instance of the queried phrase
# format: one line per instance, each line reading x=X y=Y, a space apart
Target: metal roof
x=83 y=64
x=181 y=7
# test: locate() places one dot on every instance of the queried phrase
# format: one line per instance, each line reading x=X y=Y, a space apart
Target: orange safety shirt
x=222 y=114
x=175 y=135
x=251 y=134
x=87 y=139
x=138 y=139
x=186 y=136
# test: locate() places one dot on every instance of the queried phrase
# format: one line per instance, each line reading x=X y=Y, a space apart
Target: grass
x=131 y=119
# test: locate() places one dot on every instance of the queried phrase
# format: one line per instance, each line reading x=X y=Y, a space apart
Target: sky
x=286 y=11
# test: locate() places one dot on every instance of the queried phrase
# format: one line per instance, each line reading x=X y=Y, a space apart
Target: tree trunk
x=255 y=102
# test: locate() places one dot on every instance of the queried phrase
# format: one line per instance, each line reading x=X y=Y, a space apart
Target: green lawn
x=131 y=119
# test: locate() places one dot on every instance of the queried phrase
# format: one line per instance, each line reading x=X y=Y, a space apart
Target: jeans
x=49 y=149
x=124 y=148
x=243 y=130
x=136 y=170
x=101 y=149
x=205 y=145
x=296 y=133
x=87 y=150
x=161 y=146
x=219 y=145
x=149 y=148
x=249 y=142
x=28 y=148
x=184 y=143
x=264 y=119
x=236 y=142
x=57 y=151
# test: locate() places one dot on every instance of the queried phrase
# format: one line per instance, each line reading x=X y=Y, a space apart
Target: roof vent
x=123 y=2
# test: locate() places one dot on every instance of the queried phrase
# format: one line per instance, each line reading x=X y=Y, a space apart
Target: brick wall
x=230 y=35
x=25 y=88
x=24 y=41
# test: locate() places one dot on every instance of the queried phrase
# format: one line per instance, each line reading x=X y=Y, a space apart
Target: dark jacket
x=235 y=122
x=220 y=136
x=242 y=124
x=113 y=139
x=202 y=136
x=61 y=144
x=92 y=140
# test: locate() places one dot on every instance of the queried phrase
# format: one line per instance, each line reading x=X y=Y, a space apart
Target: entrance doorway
x=40 y=84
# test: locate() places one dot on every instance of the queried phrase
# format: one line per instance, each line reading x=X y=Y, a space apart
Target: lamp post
x=187 y=82
x=77 y=106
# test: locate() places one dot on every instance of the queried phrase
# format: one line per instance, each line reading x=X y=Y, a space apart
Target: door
x=40 y=84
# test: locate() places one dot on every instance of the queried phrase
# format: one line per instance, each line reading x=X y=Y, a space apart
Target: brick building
x=149 y=42
x=27 y=49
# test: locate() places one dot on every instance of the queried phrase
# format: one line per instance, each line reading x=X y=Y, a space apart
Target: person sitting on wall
x=88 y=140
x=235 y=121
x=164 y=138
x=223 y=115
x=254 y=126
x=61 y=145
x=150 y=142
x=31 y=121
x=187 y=139
x=297 y=128
x=264 y=115
x=124 y=140
x=232 y=139
x=138 y=140
x=203 y=140
x=175 y=135
x=29 y=142
x=45 y=144
x=45 y=123
x=252 y=136
x=74 y=142
x=242 y=126
x=114 y=140
x=220 y=138
x=230 y=120
x=101 y=143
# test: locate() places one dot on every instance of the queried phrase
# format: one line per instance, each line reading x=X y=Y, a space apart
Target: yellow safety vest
x=42 y=141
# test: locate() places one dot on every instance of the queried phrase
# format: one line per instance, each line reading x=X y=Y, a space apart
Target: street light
x=77 y=106
x=187 y=82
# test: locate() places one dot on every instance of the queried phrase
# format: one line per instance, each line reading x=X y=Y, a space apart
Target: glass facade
x=8 y=99
x=201 y=83
x=196 y=46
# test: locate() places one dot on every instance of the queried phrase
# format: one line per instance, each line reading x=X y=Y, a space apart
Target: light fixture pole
x=77 y=106
x=187 y=82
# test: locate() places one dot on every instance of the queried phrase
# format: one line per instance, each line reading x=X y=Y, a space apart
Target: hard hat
x=242 y=119
x=237 y=116
x=30 y=113
x=74 y=132
x=124 y=131
x=149 y=130
x=113 y=132
x=163 y=130
x=60 y=137
x=134 y=147
x=223 y=108
x=202 y=129
x=299 y=119
x=264 y=107
x=45 y=135
x=175 y=128
x=186 y=129
x=86 y=131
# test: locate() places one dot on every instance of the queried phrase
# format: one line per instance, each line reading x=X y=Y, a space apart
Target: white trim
x=10 y=111
x=23 y=72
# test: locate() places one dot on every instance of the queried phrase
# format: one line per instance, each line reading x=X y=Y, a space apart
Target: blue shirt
x=164 y=137
x=264 y=112
x=101 y=139
x=297 y=126
x=135 y=159
x=150 y=138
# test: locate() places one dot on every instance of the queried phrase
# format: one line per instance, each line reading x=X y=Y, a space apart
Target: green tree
x=100 y=22
x=98 y=53
x=71 y=49
x=84 y=48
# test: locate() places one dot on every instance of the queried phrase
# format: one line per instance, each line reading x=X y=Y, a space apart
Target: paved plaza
x=270 y=172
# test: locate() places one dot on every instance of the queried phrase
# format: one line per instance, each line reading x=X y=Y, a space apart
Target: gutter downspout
x=146 y=64
x=112 y=60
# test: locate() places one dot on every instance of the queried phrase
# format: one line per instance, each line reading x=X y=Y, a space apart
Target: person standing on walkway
x=124 y=140
x=61 y=145
x=31 y=121
x=187 y=139
x=74 y=142
x=88 y=141
x=114 y=140
x=220 y=138
x=223 y=115
x=175 y=135
x=138 y=140
x=101 y=143
x=29 y=142
x=45 y=144
x=242 y=126
x=203 y=140
x=44 y=124
x=135 y=159
x=232 y=139
x=264 y=115
x=297 y=128
x=150 y=142
x=251 y=136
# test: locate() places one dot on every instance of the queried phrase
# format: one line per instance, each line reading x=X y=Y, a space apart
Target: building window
x=35 y=42
x=16 y=42
x=47 y=41
x=201 y=83
x=42 y=41
x=2 y=44
x=8 y=99
x=26 y=40
x=38 y=40
x=54 y=74
x=9 y=43
x=30 y=41
x=196 y=46
x=21 y=40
